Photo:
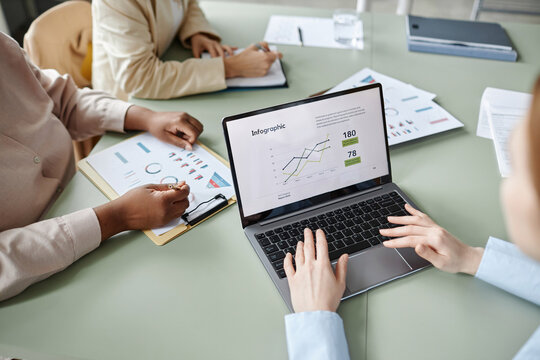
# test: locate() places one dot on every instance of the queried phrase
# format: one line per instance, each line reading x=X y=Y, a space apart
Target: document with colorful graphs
x=144 y=159
x=410 y=112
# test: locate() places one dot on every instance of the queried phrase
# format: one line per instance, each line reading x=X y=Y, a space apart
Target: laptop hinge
x=315 y=207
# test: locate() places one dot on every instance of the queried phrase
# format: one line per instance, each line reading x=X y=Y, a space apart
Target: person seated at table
x=315 y=331
x=130 y=36
x=42 y=112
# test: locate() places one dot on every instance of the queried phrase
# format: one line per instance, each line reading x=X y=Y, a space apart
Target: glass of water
x=347 y=27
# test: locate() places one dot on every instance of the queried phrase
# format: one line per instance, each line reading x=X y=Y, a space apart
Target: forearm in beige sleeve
x=195 y=22
x=37 y=251
x=84 y=112
x=155 y=79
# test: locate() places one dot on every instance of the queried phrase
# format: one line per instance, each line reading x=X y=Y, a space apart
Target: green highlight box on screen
x=353 y=161
x=349 y=142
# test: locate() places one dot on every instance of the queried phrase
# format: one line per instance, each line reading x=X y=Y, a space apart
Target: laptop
x=321 y=162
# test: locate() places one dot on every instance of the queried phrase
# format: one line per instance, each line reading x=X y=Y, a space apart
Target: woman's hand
x=432 y=242
x=145 y=207
x=251 y=62
x=201 y=43
x=177 y=128
x=313 y=284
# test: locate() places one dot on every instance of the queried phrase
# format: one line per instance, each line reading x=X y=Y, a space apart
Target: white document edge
x=498 y=151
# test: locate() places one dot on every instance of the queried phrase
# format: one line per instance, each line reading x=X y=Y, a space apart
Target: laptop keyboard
x=348 y=230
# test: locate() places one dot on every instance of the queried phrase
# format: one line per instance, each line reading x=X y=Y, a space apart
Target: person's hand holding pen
x=145 y=207
x=254 y=61
x=153 y=205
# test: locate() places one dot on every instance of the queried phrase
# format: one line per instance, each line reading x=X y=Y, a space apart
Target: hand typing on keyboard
x=432 y=242
x=313 y=284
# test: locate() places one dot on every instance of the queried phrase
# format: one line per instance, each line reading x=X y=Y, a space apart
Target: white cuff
x=84 y=231
x=317 y=335
x=117 y=118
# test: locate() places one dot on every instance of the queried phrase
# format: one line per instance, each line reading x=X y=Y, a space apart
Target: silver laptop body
x=321 y=162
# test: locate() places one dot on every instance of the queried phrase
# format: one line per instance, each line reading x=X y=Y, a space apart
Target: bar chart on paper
x=144 y=160
x=410 y=112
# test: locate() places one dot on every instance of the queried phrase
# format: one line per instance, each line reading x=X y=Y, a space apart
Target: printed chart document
x=143 y=159
x=410 y=112
x=500 y=111
x=316 y=32
x=274 y=78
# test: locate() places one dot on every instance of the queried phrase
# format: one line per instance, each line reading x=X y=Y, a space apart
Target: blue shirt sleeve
x=531 y=349
x=317 y=335
x=506 y=267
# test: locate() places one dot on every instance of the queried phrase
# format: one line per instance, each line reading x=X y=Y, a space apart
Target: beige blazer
x=42 y=112
x=129 y=37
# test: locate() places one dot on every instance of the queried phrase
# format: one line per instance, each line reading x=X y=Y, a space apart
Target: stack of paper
x=500 y=111
x=316 y=32
x=411 y=112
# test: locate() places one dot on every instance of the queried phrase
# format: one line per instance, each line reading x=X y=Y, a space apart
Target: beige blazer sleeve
x=194 y=22
x=126 y=38
x=84 y=112
x=37 y=251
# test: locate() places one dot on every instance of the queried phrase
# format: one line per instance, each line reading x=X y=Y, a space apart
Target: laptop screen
x=285 y=158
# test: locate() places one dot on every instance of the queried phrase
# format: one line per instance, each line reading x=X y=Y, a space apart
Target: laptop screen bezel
x=318 y=199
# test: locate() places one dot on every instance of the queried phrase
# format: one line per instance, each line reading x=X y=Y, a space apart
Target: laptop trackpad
x=373 y=267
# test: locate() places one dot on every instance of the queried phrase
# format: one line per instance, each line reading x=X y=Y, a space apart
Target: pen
x=300 y=36
x=175 y=186
x=260 y=47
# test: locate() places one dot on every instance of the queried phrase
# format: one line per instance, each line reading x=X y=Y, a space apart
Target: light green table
x=207 y=296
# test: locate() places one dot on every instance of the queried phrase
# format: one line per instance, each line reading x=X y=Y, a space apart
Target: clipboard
x=180 y=229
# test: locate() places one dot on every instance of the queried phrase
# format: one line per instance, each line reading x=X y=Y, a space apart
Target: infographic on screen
x=291 y=154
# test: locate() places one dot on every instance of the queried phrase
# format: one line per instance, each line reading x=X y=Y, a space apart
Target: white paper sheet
x=502 y=99
x=500 y=111
x=144 y=160
x=410 y=112
x=369 y=76
x=274 y=77
x=316 y=32
x=502 y=122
